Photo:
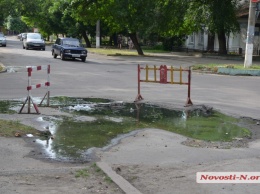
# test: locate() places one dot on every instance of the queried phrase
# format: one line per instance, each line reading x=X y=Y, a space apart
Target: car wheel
x=43 y=49
x=54 y=55
x=23 y=47
x=62 y=56
x=83 y=59
x=4 y=45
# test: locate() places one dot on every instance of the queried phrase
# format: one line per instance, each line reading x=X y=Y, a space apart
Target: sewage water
x=100 y=122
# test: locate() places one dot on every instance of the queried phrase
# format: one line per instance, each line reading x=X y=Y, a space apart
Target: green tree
x=16 y=24
x=169 y=23
x=75 y=26
x=133 y=17
x=7 y=7
x=42 y=17
x=218 y=15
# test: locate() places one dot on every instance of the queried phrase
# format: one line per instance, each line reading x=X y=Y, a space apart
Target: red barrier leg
x=189 y=102
x=29 y=100
x=139 y=96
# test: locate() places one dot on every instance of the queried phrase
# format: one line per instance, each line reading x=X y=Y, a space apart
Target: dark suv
x=69 y=48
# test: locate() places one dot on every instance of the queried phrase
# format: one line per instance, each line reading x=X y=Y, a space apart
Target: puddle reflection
x=102 y=123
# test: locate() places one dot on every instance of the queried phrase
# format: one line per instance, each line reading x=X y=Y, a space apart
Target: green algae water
x=95 y=122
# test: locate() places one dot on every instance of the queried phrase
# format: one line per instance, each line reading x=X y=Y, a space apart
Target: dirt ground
x=25 y=169
x=152 y=160
x=157 y=162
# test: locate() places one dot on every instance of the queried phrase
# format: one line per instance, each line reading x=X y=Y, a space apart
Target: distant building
x=234 y=42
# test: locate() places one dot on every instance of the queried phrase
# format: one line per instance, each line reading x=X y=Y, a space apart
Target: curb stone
x=119 y=180
x=231 y=71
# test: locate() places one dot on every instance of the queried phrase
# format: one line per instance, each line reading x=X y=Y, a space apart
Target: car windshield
x=34 y=36
x=71 y=42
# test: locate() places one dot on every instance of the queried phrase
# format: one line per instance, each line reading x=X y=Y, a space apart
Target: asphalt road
x=154 y=161
x=115 y=77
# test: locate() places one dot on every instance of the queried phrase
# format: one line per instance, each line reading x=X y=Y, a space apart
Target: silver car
x=2 y=39
x=22 y=36
x=33 y=41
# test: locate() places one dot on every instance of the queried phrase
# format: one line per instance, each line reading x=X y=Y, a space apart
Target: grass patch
x=110 y=51
x=93 y=174
x=101 y=173
x=96 y=168
x=9 y=128
x=5 y=107
x=84 y=173
x=153 y=50
x=214 y=67
x=123 y=52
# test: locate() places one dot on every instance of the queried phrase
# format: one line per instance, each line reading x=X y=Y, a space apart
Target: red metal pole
x=189 y=102
x=138 y=97
x=138 y=77
x=189 y=79
x=48 y=89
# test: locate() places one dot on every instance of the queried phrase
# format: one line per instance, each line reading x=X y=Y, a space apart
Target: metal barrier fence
x=163 y=72
x=30 y=87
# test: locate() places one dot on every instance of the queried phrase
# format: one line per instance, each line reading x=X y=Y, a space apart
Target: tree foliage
x=16 y=24
x=219 y=16
x=166 y=18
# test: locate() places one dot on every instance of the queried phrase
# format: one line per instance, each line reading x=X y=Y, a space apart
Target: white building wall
x=197 y=41
x=235 y=41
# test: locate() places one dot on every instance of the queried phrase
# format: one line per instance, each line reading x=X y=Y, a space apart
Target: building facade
x=235 y=42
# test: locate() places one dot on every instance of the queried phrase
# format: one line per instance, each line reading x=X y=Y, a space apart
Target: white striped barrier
x=30 y=87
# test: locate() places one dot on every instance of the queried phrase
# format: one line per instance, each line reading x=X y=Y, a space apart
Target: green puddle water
x=95 y=122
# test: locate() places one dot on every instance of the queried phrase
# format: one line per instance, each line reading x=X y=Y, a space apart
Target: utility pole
x=250 y=34
x=98 y=34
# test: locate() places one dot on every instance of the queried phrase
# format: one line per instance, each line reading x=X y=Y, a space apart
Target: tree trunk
x=84 y=35
x=110 y=41
x=134 y=39
x=222 y=43
x=211 y=40
x=113 y=40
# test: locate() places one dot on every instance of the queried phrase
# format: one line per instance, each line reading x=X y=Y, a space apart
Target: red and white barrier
x=30 y=87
